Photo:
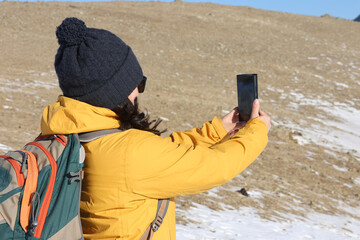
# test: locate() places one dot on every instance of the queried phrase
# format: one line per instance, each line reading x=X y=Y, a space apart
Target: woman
x=128 y=171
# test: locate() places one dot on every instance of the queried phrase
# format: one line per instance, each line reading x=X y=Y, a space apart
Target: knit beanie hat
x=94 y=65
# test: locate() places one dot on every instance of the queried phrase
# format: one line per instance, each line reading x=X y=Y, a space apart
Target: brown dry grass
x=191 y=54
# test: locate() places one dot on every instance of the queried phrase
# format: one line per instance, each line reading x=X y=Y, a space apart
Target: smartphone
x=247 y=87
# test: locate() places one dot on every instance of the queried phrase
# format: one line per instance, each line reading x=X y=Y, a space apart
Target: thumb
x=255 y=109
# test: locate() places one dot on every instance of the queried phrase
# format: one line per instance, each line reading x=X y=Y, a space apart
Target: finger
x=234 y=115
x=235 y=111
x=262 y=113
x=240 y=125
x=233 y=132
x=255 y=109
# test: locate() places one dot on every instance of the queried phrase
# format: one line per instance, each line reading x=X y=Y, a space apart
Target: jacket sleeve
x=210 y=133
x=160 y=168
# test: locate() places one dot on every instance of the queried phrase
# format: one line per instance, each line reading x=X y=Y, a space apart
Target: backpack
x=40 y=189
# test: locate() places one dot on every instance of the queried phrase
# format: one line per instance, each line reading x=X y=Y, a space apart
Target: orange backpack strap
x=29 y=189
x=162 y=208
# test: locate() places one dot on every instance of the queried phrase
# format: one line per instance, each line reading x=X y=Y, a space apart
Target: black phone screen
x=247 y=93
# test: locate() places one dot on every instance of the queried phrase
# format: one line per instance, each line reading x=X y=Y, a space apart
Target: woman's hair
x=130 y=117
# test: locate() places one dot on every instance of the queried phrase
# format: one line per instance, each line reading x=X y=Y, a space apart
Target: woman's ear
x=133 y=95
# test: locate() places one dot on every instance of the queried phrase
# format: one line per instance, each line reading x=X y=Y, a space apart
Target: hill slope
x=308 y=69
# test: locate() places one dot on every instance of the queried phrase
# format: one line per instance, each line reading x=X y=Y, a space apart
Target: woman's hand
x=257 y=113
x=232 y=124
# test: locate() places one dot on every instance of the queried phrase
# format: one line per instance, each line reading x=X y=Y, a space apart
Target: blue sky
x=348 y=9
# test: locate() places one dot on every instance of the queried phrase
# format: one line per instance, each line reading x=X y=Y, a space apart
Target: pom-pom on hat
x=94 y=65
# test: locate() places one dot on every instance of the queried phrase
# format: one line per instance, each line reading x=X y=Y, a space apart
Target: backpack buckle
x=157 y=223
x=74 y=176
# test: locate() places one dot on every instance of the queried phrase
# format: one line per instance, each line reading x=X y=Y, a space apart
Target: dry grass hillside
x=308 y=68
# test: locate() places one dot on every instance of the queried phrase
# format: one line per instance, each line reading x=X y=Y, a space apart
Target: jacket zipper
x=46 y=202
x=61 y=139
x=58 y=138
x=27 y=203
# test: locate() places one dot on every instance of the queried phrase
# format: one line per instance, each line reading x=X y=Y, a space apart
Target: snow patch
x=357 y=181
x=164 y=118
x=5 y=148
x=341 y=169
x=339 y=133
x=245 y=223
x=341 y=85
x=318 y=76
x=225 y=111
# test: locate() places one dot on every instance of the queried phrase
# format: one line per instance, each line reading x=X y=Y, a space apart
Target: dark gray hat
x=94 y=65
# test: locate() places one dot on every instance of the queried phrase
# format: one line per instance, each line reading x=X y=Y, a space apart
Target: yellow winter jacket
x=126 y=172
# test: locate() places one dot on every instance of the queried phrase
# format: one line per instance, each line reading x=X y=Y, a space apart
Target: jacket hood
x=68 y=116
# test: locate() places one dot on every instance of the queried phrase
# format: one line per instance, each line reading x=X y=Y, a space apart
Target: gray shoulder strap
x=91 y=136
x=162 y=208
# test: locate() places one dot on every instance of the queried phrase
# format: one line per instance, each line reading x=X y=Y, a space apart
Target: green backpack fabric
x=40 y=188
